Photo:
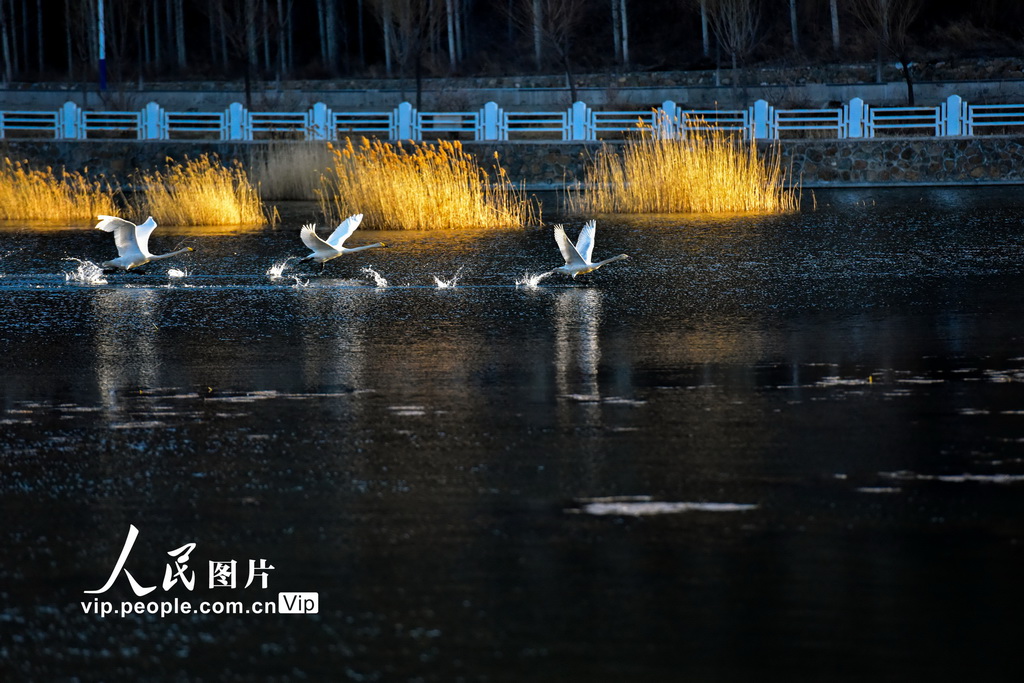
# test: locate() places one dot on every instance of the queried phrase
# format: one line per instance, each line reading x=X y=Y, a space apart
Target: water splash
x=531 y=280
x=299 y=283
x=450 y=283
x=276 y=271
x=87 y=273
x=378 y=279
x=178 y=272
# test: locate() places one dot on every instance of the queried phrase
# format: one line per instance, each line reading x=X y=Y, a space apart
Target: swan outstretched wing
x=124 y=233
x=315 y=243
x=569 y=252
x=344 y=230
x=585 y=243
x=142 y=233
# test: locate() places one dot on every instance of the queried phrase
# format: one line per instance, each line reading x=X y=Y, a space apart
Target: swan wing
x=124 y=233
x=315 y=243
x=142 y=233
x=344 y=230
x=569 y=253
x=585 y=243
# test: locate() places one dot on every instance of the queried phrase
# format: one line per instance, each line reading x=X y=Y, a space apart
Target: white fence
x=760 y=121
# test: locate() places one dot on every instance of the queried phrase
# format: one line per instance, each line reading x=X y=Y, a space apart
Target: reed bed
x=200 y=191
x=707 y=172
x=420 y=187
x=291 y=170
x=32 y=194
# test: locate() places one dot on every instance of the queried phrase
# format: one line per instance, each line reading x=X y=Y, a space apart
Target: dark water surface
x=763 y=448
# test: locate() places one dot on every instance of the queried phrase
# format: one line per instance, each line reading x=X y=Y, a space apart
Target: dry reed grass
x=707 y=172
x=29 y=194
x=291 y=170
x=200 y=191
x=426 y=187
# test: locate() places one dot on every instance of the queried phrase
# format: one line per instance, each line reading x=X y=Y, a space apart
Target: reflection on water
x=684 y=468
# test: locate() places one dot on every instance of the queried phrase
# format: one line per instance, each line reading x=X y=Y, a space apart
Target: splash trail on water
x=530 y=281
x=378 y=279
x=450 y=283
x=87 y=273
x=276 y=271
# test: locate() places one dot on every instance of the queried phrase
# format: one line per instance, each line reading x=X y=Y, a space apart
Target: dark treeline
x=58 y=40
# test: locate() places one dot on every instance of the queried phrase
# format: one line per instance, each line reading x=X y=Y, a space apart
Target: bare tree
x=793 y=27
x=736 y=24
x=552 y=24
x=410 y=27
x=890 y=20
x=620 y=31
x=833 y=6
x=5 y=27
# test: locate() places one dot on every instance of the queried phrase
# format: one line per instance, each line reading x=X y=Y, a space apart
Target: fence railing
x=760 y=121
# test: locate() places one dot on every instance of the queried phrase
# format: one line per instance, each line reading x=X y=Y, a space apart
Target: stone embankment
x=551 y=165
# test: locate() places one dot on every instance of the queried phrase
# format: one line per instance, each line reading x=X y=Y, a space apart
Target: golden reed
x=707 y=172
x=200 y=191
x=423 y=187
x=28 y=194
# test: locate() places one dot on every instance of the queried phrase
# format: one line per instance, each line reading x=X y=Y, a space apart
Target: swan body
x=333 y=247
x=578 y=256
x=132 y=242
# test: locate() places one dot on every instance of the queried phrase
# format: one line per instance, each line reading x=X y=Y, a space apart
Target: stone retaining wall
x=549 y=165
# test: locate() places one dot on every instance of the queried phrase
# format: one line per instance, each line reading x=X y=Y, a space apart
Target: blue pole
x=103 y=49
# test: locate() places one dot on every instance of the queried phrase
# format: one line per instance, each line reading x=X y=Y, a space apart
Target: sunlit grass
x=419 y=187
x=57 y=196
x=707 y=172
x=200 y=191
x=291 y=170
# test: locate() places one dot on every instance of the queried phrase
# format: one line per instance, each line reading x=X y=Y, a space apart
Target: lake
x=761 y=448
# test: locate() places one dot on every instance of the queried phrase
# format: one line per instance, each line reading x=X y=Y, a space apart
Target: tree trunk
x=793 y=26
x=625 y=33
x=332 y=36
x=39 y=36
x=538 y=34
x=452 y=55
x=834 y=8
x=179 y=33
x=705 y=31
x=6 y=45
x=617 y=31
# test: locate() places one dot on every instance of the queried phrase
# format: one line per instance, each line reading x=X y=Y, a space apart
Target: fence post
x=405 y=122
x=666 y=123
x=856 y=113
x=490 y=122
x=153 y=127
x=956 y=110
x=236 y=128
x=320 y=124
x=69 y=122
x=579 y=122
x=760 y=120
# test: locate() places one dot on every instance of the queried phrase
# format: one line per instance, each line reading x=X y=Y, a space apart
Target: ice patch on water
x=904 y=475
x=531 y=280
x=640 y=506
x=408 y=411
x=378 y=279
x=448 y=284
x=87 y=273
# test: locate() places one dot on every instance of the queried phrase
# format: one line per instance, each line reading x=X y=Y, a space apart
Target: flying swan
x=132 y=242
x=332 y=247
x=577 y=256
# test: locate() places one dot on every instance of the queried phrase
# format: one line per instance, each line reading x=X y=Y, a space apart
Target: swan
x=332 y=247
x=132 y=242
x=577 y=256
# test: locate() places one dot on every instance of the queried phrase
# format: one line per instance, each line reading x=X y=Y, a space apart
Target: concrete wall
x=549 y=165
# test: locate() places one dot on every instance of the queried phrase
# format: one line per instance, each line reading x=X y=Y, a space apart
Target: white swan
x=577 y=256
x=132 y=242
x=333 y=246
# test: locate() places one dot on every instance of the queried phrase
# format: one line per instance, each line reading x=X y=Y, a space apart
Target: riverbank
x=552 y=165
